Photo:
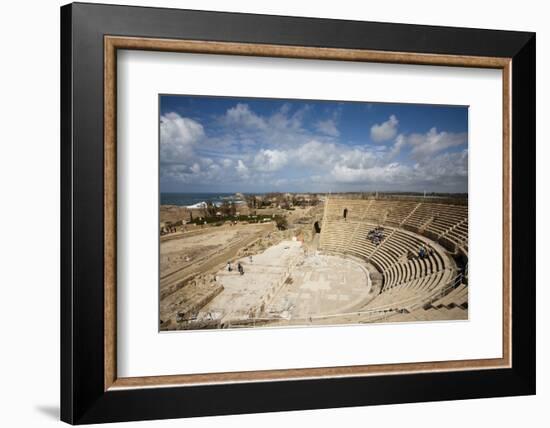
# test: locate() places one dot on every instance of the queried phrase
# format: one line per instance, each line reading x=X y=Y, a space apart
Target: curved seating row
x=396 y=257
x=444 y=223
x=407 y=280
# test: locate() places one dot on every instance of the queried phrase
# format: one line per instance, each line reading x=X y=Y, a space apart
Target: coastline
x=199 y=200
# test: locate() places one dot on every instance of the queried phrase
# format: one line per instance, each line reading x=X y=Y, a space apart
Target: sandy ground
x=178 y=253
x=187 y=255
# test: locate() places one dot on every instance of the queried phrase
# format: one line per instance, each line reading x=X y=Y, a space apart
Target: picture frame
x=91 y=35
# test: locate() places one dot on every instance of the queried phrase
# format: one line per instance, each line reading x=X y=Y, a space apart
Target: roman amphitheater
x=344 y=261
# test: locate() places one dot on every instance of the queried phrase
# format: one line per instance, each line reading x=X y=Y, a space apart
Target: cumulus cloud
x=247 y=151
x=178 y=136
x=242 y=169
x=241 y=115
x=451 y=165
x=227 y=163
x=392 y=173
x=315 y=153
x=241 y=126
x=399 y=143
x=446 y=172
x=327 y=127
x=384 y=131
x=283 y=119
x=322 y=155
x=196 y=168
x=424 y=145
x=358 y=158
x=270 y=160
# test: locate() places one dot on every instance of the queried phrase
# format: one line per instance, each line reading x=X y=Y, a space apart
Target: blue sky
x=228 y=144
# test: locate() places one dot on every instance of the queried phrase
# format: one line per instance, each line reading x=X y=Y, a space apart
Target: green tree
x=225 y=208
x=211 y=209
x=281 y=222
x=252 y=201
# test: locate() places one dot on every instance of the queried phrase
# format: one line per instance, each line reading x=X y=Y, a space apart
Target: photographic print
x=285 y=193
x=285 y=212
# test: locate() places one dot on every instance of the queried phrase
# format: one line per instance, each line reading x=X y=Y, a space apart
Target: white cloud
x=178 y=135
x=425 y=145
x=446 y=172
x=400 y=142
x=227 y=163
x=316 y=153
x=242 y=169
x=392 y=173
x=320 y=155
x=241 y=126
x=327 y=127
x=270 y=160
x=384 y=131
x=242 y=115
x=282 y=120
x=358 y=158
x=446 y=165
x=247 y=151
